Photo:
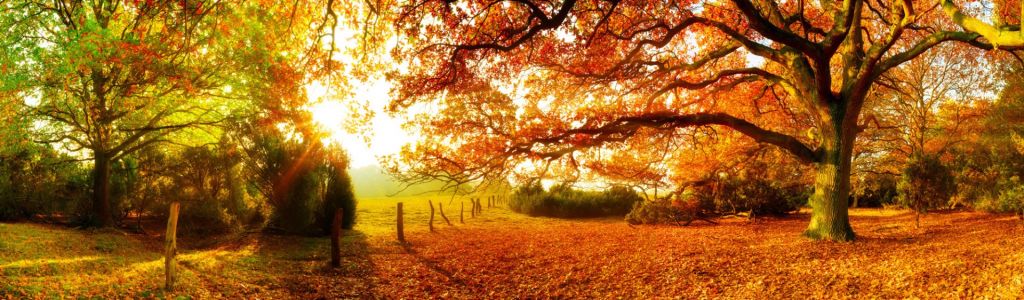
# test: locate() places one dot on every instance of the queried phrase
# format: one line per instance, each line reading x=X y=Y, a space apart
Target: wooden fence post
x=462 y=211
x=171 y=245
x=336 y=238
x=401 y=227
x=431 y=215
x=440 y=207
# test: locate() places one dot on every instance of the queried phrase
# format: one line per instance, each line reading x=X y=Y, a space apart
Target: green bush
x=562 y=201
x=337 y=194
x=925 y=184
x=1010 y=197
x=878 y=192
x=37 y=181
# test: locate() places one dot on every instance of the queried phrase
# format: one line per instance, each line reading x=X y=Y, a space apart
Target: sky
x=385 y=134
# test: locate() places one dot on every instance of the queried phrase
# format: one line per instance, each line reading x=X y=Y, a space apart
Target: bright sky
x=385 y=134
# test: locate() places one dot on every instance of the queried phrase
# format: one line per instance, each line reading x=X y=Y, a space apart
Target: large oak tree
x=114 y=77
x=508 y=82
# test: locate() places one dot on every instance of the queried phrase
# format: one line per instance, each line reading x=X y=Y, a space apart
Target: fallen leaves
x=954 y=255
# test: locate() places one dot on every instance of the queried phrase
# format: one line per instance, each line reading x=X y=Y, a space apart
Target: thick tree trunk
x=101 y=191
x=830 y=216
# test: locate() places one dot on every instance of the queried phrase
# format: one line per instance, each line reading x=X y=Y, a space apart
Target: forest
x=494 y=149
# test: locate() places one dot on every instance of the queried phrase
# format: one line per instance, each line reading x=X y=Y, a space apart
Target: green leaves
x=926 y=183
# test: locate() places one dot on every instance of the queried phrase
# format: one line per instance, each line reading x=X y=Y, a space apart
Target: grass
x=502 y=254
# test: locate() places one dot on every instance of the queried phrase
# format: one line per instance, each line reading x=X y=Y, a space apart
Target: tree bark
x=101 y=190
x=830 y=216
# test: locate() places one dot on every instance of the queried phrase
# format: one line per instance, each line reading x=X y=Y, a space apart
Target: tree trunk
x=830 y=216
x=101 y=190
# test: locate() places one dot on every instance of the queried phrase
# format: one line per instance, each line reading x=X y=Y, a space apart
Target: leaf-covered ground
x=501 y=255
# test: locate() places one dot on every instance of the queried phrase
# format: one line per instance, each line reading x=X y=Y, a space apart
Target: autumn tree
x=926 y=102
x=514 y=82
x=115 y=77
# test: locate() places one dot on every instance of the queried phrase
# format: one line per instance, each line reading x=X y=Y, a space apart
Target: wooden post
x=462 y=212
x=336 y=238
x=440 y=207
x=401 y=227
x=171 y=245
x=431 y=215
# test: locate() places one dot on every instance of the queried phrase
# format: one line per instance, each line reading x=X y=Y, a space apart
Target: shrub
x=562 y=201
x=718 y=197
x=925 y=183
x=1012 y=198
x=337 y=194
x=877 y=192
x=665 y=211
x=761 y=197
x=35 y=180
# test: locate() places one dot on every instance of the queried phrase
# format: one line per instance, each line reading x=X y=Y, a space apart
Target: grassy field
x=501 y=254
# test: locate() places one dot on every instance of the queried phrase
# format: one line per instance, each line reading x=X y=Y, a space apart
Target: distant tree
x=993 y=164
x=925 y=184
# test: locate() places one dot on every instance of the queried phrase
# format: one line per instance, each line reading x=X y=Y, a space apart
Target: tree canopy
x=557 y=83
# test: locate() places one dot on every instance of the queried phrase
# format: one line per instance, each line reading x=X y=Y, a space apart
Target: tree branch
x=623 y=128
x=998 y=37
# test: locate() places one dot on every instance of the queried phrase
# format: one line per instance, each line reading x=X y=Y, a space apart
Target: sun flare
x=383 y=135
